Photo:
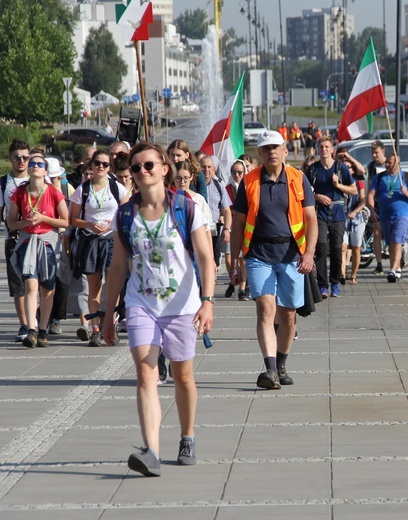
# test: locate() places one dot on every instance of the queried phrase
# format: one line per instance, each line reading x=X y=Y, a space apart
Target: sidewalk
x=332 y=446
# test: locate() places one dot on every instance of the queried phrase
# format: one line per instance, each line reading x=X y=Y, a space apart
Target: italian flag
x=226 y=138
x=135 y=19
x=367 y=95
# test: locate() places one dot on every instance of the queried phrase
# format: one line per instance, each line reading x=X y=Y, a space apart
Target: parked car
x=385 y=134
x=361 y=150
x=88 y=135
x=252 y=130
x=164 y=121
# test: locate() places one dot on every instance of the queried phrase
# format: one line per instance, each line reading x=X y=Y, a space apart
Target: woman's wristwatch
x=210 y=299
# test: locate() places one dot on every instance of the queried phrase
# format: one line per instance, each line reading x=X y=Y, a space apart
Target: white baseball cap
x=270 y=137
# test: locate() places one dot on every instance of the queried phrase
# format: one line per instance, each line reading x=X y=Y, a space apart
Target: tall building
x=318 y=34
x=164 y=60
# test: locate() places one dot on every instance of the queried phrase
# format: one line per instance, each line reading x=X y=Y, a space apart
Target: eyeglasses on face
x=237 y=172
x=182 y=179
x=20 y=158
x=33 y=164
x=148 y=166
x=101 y=163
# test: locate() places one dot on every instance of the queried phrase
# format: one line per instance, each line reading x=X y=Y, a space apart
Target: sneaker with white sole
x=55 y=328
x=21 y=334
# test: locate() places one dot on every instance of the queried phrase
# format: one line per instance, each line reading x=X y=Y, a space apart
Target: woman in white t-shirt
x=163 y=307
x=95 y=244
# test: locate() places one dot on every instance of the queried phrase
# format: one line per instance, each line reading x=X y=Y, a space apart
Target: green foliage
x=192 y=24
x=230 y=42
x=36 y=52
x=102 y=67
x=10 y=132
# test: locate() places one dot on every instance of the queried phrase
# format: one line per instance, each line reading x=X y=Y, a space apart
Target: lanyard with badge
x=157 y=255
x=391 y=185
x=100 y=202
x=30 y=203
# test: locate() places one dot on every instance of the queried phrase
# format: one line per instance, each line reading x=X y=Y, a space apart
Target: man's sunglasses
x=101 y=163
x=148 y=166
x=21 y=158
x=33 y=164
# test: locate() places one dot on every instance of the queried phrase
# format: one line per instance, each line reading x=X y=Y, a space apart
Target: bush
x=10 y=132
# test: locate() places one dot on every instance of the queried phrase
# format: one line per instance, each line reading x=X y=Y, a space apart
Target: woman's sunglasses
x=148 y=166
x=101 y=163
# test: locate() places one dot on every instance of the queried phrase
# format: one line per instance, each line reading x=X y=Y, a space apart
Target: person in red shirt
x=37 y=210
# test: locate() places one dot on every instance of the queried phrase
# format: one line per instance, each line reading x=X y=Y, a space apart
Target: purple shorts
x=175 y=335
x=395 y=231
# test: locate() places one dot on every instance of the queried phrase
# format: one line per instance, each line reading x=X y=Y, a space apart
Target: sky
x=367 y=13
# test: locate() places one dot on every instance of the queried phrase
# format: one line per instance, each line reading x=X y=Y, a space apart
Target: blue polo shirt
x=272 y=219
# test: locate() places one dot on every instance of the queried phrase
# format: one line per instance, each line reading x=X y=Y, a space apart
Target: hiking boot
x=82 y=333
x=95 y=339
x=242 y=297
x=186 y=454
x=284 y=377
x=268 y=380
x=55 y=328
x=21 y=334
x=230 y=291
x=30 y=340
x=145 y=462
x=391 y=277
x=324 y=292
x=42 y=340
x=335 y=290
x=378 y=270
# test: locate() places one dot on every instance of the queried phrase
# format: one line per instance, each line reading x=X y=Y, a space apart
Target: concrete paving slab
x=332 y=446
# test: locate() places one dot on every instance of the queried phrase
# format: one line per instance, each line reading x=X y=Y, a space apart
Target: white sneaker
x=122 y=326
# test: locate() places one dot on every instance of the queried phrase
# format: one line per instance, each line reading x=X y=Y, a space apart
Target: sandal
x=353 y=281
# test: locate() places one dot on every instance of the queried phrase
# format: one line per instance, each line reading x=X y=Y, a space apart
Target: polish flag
x=226 y=138
x=367 y=95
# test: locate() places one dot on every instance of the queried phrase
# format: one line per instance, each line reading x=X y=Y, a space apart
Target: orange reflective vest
x=295 y=210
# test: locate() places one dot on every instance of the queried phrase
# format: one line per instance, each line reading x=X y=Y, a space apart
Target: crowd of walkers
x=135 y=237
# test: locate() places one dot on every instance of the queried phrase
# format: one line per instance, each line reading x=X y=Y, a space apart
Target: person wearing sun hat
x=275 y=227
x=37 y=210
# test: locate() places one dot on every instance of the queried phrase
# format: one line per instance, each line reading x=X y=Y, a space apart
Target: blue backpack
x=182 y=211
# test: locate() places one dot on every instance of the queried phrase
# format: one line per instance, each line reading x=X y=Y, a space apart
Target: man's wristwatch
x=227 y=229
x=210 y=299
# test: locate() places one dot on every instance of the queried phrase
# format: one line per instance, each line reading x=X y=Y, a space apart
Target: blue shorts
x=395 y=231
x=282 y=280
x=175 y=335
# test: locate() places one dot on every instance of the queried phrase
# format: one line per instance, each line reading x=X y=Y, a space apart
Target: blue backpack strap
x=124 y=220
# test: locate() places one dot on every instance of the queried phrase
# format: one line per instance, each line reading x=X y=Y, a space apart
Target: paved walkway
x=333 y=446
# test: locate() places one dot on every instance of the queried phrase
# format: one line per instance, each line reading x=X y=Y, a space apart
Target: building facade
x=318 y=34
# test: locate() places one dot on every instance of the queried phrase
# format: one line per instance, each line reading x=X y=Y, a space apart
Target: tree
x=192 y=24
x=102 y=67
x=230 y=42
x=36 y=52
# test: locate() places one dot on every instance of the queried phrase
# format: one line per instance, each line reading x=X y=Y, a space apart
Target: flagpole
x=393 y=142
x=142 y=93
